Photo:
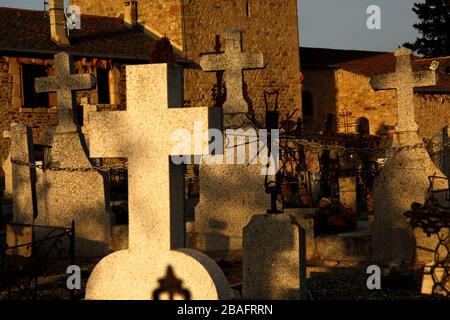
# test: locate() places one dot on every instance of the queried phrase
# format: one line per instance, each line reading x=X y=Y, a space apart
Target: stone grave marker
x=274 y=259
x=404 y=179
x=73 y=193
x=233 y=61
x=347 y=192
x=156 y=190
x=21 y=182
x=230 y=193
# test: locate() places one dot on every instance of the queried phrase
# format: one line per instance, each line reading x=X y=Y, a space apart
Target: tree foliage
x=434 y=28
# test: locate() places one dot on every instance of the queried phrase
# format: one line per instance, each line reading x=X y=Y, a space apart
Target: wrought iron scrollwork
x=433 y=218
x=50 y=246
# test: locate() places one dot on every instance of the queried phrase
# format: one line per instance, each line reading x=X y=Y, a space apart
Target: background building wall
x=337 y=91
x=271 y=27
x=163 y=17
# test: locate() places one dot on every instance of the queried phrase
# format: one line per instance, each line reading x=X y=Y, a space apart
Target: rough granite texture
x=404 y=80
x=64 y=83
x=156 y=217
x=274 y=258
x=233 y=61
x=404 y=179
x=22 y=205
x=230 y=194
x=64 y=196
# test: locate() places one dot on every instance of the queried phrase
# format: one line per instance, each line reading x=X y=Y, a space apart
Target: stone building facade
x=27 y=55
x=159 y=17
x=198 y=27
x=338 y=82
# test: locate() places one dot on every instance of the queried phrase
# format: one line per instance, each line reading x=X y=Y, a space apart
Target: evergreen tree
x=434 y=28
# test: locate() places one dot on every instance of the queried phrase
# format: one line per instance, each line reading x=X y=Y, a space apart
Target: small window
x=32 y=99
x=307 y=104
x=103 y=86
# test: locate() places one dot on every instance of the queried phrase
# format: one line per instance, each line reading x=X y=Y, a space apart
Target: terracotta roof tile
x=371 y=63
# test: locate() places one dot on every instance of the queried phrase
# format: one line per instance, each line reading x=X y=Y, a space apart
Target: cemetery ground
x=323 y=284
x=346 y=282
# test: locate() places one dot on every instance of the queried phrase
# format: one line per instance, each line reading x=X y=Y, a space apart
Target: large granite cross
x=64 y=82
x=404 y=80
x=233 y=61
x=143 y=134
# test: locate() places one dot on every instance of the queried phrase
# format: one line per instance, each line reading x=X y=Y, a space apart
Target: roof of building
x=371 y=63
x=28 y=31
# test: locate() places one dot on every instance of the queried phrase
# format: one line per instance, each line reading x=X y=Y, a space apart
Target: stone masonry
x=268 y=26
x=161 y=17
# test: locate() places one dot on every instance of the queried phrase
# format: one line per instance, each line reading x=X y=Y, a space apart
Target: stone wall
x=432 y=113
x=270 y=27
x=337 y=91
x=162 y=17
x=39 y=119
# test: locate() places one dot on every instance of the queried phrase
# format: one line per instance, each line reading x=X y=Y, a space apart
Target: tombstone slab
x=404 y=179
x=21 y=185
x=305 y=217
x=230 y=194
x=347 y=192
x=156 y=216
x=78 y=195
x=274 y=258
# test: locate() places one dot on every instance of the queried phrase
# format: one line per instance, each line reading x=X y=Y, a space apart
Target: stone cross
x=404 y=80
x=156 y=192
x=233 y=61
x=63 y=84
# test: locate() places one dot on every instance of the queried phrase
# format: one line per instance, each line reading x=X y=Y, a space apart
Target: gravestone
x=233 y=61
x=156 y=216
x=404 y=179
x=73 y=194
x=347 y=192
x=21 y=183
x=274 y=263
x=230 y=193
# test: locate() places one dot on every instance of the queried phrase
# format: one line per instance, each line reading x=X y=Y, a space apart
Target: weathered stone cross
x=233 y=61
x=404 y=80
x=156 y=189
x=64 y=83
